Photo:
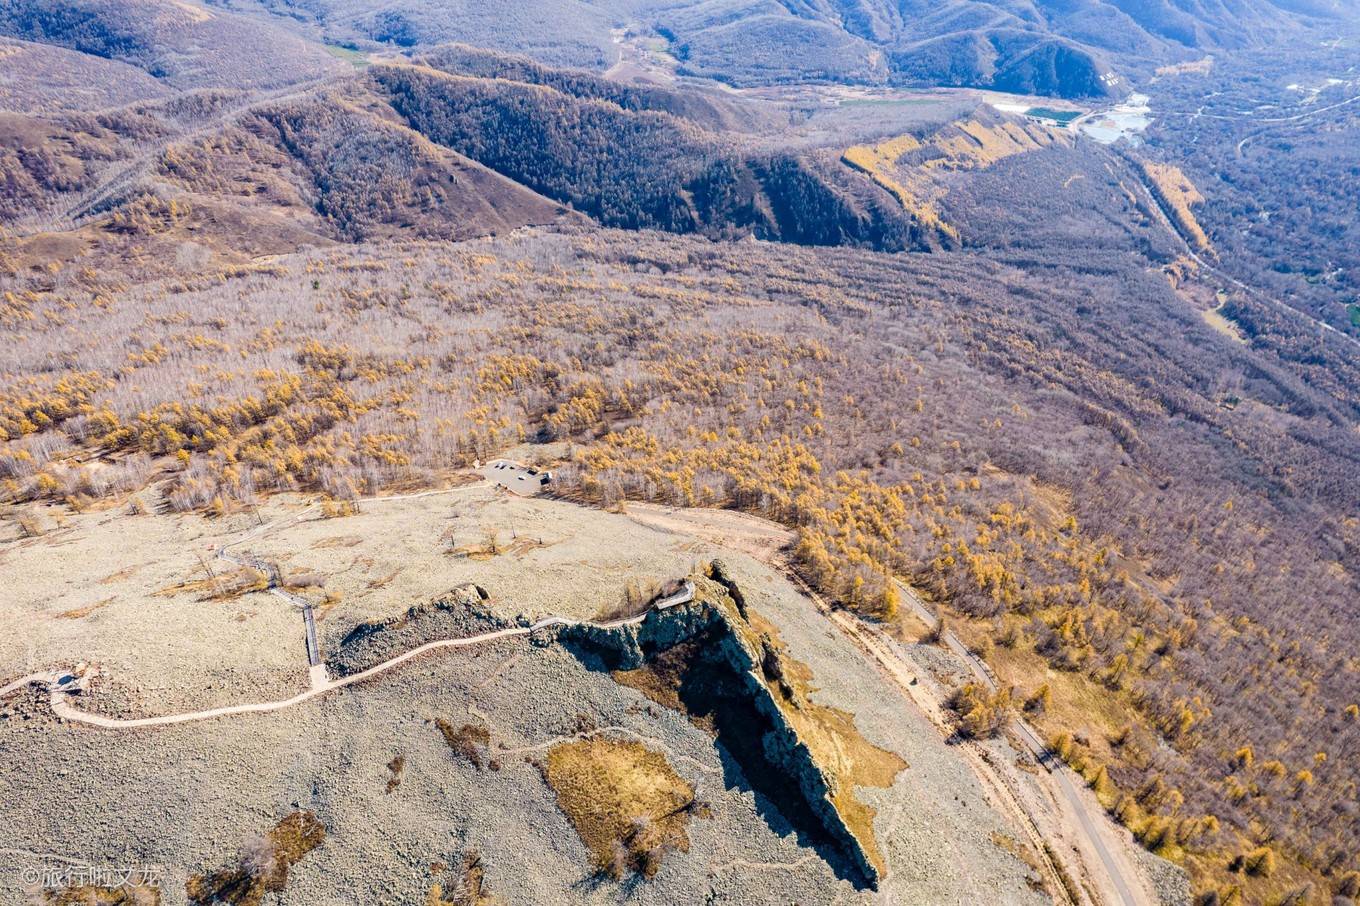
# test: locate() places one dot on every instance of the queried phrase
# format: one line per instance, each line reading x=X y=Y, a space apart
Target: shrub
x=981 y=714
x=1259 y=862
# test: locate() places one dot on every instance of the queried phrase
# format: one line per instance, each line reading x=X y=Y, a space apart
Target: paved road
x=1036 y=745
x=1252 y=115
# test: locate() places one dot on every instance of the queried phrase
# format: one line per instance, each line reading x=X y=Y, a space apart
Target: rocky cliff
x=736 y=678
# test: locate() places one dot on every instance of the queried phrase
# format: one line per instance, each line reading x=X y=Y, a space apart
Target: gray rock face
x=716 y=615
x=460 y=613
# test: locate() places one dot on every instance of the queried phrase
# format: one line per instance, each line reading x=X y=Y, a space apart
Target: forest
x=1271 y=141
x=642 y=168
x=365 y=285
x=1068 y=478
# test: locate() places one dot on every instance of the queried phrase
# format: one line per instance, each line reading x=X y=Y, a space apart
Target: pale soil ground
x=750 y=535
x=109 y=796
x=108 y=799
x=90 y=587
x=88 y=592
x=555 y=558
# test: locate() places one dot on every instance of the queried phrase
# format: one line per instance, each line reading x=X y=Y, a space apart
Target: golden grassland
x=1180 y=196
x=1190 y=67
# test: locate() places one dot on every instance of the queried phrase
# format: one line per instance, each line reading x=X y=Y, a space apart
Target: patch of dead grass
x=394 y=770
x=382 y=581
x=469 y=742
x=626 y=802
x=337 y=541
x=661 y=677
x=469 y=889
x=79 y=613
x=1025 y=854
x=222 y=587
x=120 y=575
x=263 y=866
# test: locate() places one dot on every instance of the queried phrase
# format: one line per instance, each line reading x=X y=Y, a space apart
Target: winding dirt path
x=63 y=708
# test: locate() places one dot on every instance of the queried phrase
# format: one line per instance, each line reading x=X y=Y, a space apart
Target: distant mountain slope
x=69 y=80
x=361 y=174
x=308 y=168
x=421 y=147
x=558 y=32
x=643 y=168
x=178 y=42
x=708 y=109
x=1067 y=48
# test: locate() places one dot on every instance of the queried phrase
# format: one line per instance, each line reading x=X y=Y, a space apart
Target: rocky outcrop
x=740 y=677
x=459 y=613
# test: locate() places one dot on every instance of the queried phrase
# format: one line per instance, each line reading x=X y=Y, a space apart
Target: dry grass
x=337 y=541
x=1180 y=195
x=79 y=613
x=627 y=803
x=1215 y=319
x=1025 y=854
x=394 y=769
x=493 y=545
x=469 y=890
x=263 y=866
x=124 y=573
x=30 y=525
x=222 y=587
x=904 y=165
x=469 y=742
x=382 y=581
x=661 y=677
